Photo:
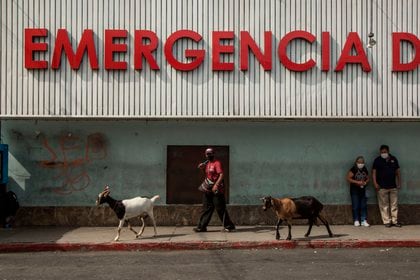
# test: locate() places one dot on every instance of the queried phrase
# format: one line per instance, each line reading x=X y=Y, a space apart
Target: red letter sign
x=325 y=51
x=31 y=47
x=247 y=43
x=353 y=40
x=87 y=44
x=198 y=55
x=111 y=48
x=145 y=50
x=282 y=51
x=397 y=37
x=218 y=49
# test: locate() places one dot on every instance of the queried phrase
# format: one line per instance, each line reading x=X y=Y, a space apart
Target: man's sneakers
x=397 y=224
x=197 y=229
x=356 y=223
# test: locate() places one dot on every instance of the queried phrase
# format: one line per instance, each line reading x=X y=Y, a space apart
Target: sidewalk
x=35 y=239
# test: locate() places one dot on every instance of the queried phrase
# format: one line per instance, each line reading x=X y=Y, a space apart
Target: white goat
x=129 y=208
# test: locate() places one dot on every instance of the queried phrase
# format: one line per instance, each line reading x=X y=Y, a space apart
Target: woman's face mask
x=384 y=155
x=360 y=165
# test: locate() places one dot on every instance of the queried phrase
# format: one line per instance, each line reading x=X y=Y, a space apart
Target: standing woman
x=358 y=178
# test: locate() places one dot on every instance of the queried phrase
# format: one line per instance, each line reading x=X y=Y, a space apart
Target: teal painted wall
x=66 y=163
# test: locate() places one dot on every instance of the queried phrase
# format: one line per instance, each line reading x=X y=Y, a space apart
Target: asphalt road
x=393 y=263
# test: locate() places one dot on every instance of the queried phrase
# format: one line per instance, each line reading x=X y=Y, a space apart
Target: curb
x=169 y=246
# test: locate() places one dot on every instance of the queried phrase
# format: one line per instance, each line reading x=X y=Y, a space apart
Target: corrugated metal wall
x=279 y=93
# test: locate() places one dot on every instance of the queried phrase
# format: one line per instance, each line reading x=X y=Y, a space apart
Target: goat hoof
x=288 y=238
x=331 y=235
x=277 y=237
x=306 y=235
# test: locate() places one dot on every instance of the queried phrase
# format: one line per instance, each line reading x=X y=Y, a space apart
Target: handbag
x=206 y=186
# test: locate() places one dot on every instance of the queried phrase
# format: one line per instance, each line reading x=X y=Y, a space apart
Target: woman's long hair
x=359 y=157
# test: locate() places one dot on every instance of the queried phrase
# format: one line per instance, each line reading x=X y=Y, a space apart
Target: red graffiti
x=71 y=160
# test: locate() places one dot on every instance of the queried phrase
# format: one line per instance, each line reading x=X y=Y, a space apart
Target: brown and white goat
x=305 y=207
x=129 y=208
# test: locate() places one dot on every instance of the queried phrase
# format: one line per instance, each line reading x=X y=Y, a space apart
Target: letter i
x=325 y=52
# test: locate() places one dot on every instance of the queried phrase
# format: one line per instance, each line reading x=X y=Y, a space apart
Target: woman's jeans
x=359 y=205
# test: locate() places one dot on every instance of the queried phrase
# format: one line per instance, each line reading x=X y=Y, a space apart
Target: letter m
x=86 y=44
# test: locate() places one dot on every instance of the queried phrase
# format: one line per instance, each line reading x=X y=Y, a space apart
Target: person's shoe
x=356 y=223
x=230 y=229
x=388 y=225
x=365 y=223
x=197 y=229
x=397 y=224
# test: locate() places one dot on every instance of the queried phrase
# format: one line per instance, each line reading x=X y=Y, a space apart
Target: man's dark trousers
x=213 y=201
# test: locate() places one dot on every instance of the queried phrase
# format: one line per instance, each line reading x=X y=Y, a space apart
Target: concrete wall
x=66 y=163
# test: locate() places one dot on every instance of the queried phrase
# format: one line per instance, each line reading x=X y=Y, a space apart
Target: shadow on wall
x=18 y=176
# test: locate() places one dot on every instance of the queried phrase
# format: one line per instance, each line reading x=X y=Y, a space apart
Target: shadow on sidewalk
x=256 y=229
x=161 y=236
x=324 y=236
x=34 y=234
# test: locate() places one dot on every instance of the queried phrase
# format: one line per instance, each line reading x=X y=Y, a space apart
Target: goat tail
x=153 y=199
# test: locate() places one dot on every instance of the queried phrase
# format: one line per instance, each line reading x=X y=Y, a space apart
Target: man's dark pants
x=213 y=201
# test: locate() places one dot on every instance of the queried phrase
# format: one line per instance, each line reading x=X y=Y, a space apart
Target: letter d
x=397 y=65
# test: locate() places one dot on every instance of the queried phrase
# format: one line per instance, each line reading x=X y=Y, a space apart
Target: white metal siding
x=169 y=93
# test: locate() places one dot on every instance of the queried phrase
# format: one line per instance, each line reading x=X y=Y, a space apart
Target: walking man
x=213 y=193
x=387 y=182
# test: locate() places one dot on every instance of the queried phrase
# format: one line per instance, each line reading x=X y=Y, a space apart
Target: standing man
x=387 y=182
x=213 y=194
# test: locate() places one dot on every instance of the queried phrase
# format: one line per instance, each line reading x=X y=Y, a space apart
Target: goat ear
x=262 y=198
x=105 y=192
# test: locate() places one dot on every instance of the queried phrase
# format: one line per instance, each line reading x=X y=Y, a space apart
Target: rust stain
x=96 y=147
x=52 y=164
x=71 y=160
